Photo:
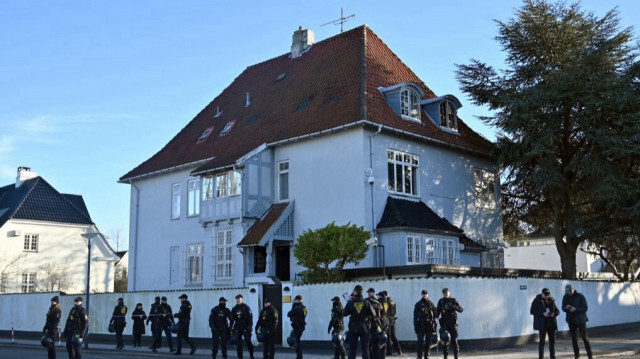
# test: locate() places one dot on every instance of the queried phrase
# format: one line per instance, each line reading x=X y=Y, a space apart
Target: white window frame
x=448 y=116
x=432 y=249
x=228 y=184
x=409 y=165
x=485 y=188
x=31 y=242
x=223 y=249
x=29 y=281
x=414 y=249
x=410 y=105
x=193 y=198
x=284 y=169
x=194 y=258
x=208 y=187
x=176 y=190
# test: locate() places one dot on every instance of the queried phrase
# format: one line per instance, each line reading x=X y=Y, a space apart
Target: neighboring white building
x=340 y=130
x=541 y=253
x=43 y=248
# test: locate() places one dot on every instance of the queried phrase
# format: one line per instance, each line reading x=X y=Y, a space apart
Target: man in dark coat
x=241 y=325
x=118 y=320
x=154 y=318
x=268 y=323
x=165 y=320
x=447 y=308
x=575 y=305
x=545 y=311
x=219 y=320
x=424 y=323
x=184 y=319
x=360 y=314
x=336 y=328
x=375 y=326
x=138 y=317
x=51 y=326
x=391 y=313
x=298 y=314
x=75 y=329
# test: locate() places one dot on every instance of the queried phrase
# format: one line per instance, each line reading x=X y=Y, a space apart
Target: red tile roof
x=260 y=228
x=333 y=84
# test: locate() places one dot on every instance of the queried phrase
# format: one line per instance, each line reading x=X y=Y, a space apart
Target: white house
x=44 y=237
x=340 y=130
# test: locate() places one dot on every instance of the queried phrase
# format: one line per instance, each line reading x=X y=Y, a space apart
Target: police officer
x=424 y=323
x=268 y=323
x=241 y=324
x=75 y=328
x=51 y=326
x=184 y=319
x=336 y=328
x=118 y=321
x=375 y=325
x=297 y=314
x=219 y=320
x=360 y=313
x=154 y=318
x=545 y=311
x=391 y=334
x=165 y=320
x=447 y=308
x=384 y=322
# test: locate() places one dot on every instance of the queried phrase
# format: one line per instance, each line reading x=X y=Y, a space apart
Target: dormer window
x=203 y=137
x=443 y=112
x=448 y=116
x=409 y=104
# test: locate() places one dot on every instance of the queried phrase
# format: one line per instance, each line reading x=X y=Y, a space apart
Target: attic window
x=281 y=76
x=448 y=118
x=227 y=128
x=303 y=105
x=203 y=137
x=252 y=120
x=409 y=104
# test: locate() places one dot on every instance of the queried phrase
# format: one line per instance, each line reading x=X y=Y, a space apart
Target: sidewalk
x=604 y=346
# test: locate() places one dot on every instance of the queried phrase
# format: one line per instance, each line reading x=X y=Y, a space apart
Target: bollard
x=13 y=337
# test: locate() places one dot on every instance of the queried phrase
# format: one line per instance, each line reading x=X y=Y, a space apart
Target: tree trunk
x=567 y=252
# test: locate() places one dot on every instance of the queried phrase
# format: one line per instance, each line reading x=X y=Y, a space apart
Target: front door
x=283 y=263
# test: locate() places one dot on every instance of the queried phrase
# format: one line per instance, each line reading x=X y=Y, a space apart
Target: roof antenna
x=341 y=21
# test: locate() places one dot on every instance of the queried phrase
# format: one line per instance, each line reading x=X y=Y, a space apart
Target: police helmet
x=235 y=338
x=445 y=337
x=111 y=328
x=433 y=340
x=260 y=334
x=336 y=338
x=46 y=340
x=291 y=340
x=381 y=339
x=76 y=340
x=174 y=328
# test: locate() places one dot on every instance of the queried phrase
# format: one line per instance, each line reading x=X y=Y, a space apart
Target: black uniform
x=391 y=333
x=297 y=314
x=51 y=328
x=119 y=322
x=138 y=317
x=424 y=325
x=154 y=318
x=545 y=325
x=360 y=313
x=447 y=308
x=336 y=327
x=165 y=319
x=219 y=320
x=242 y=323
x=268 y=321
x=376 y=349
x=76 y=326
x=184 y=319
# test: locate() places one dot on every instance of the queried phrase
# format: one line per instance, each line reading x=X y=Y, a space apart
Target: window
x=175 y=200
x=414 y=249
x=227 y=128
x=28 y=282
x=195 y=256
x=448 y=116
x=4 y=282
x=224 y=254
x=283 y=181
x=193 y=198
x=203 y=137
x=228 y=184
x=31 y=242
x=409 y=104
x=432 y=249
x=485 y=188
x=403 y=172
x=207 y=188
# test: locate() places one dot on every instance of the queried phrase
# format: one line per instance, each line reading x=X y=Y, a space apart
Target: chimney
x=302 y=41
x=24 y=173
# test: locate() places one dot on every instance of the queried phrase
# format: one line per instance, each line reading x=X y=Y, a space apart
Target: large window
x=194 y=258
x=228 y=184
x=4 y=282
x=432 y=249
x=485 y=188
x=31 y=242
x=409 y=104
x=414 y=249
x=224 y=254
x=448 y=116
x=175 y=200
x=403 y=172
x=193 y=199
x=283 y=181
x=28 y=282
x=208 y=188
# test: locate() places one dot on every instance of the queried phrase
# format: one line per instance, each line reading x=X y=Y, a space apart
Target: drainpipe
x=371 y=180
x=135 y=242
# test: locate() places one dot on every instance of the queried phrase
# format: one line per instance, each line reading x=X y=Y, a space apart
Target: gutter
x=135 y=242
x=165 y=170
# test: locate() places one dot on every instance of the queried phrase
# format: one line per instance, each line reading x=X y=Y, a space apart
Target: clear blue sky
x=90 y=89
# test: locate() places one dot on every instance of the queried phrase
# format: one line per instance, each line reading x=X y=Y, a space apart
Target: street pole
x=86 y=336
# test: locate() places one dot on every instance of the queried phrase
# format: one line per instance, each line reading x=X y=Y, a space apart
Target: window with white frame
x=283 y=181
x=448 y=117
x=194 y=259
x=224 y=254
x=193 y=198
x=414 y=249
x=485 y=188
x=30 y=242
x=432 y=249
x=175 y=200
x=402 y=172
x=228 y=184
x=208 y=187
x=4 y=282
x=28 y=283
x=409 y=104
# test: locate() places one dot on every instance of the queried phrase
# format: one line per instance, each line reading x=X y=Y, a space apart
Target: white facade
x=542 y=254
